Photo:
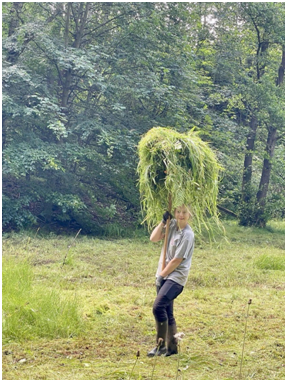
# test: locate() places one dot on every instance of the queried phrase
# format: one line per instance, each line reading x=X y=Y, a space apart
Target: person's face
x=181 y=214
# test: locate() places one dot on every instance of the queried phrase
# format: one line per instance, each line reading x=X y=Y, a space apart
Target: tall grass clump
x=269 y=262
x=30 y=312
x=276 y=226
x=181 y=167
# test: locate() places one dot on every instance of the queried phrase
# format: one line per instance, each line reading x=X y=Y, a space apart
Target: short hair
x=185 y=206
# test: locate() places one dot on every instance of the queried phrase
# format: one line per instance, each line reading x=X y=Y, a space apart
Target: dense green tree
x=267 y=22
x=241 y=49
x=83 y=81
x=86 y=81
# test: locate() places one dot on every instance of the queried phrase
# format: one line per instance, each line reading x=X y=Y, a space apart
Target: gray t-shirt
x=180 y=245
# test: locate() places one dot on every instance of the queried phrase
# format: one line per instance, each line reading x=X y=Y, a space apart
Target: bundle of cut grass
x=181 y=167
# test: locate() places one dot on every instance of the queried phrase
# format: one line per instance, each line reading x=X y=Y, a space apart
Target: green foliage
x=15 y=213
x=77 y=98
x=74 y=106
x=242 y=59
x=180 y=166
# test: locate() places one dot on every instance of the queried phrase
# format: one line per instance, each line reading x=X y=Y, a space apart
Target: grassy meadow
x=88 y=318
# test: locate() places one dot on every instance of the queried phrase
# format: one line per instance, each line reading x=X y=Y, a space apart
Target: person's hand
x=165 y=216
x=159 y=281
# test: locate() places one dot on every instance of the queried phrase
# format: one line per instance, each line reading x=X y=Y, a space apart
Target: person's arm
x=157 y=234
x=170 y=267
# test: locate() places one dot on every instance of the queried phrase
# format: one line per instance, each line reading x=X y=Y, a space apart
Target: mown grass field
x=86 y=320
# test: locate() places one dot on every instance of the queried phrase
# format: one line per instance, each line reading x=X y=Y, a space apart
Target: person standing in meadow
x=171 y=280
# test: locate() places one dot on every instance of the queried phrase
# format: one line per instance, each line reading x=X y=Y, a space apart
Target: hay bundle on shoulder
x=179 y=167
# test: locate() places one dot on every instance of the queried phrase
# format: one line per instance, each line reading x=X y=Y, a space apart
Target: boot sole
x=158 y=354
x=169 y=354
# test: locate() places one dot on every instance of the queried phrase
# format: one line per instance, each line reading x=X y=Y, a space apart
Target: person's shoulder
x=188 y=232
x=173 y=223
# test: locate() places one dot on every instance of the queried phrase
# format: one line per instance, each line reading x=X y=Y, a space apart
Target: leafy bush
x=15 y=213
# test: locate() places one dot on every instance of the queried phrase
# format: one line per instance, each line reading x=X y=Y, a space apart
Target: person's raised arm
x=157 y=234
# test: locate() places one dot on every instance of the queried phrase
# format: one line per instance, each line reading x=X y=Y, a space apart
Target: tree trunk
x=4 y=132
x=260 y=217
x=67 y=25
x=66 y=88
x=14 y=23
x=80 y=22
x=281 y=70
x=80 y=27
x=247 y=169
x=13 y=54
x=68 y=73
x=247 y=207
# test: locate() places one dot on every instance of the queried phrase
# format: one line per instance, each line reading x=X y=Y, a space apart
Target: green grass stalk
x=137 y=357
x=179 y=337
x=160 y=341
x=178 y=358
x=249 y=303
x=69 y=247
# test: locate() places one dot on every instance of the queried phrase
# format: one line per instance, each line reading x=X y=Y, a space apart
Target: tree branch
x=105 y=23
x=52 y=60
x=259 y=42
x=223 y=209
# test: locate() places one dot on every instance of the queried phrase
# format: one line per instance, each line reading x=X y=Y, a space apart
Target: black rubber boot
x=161 y=328
x=171 y=341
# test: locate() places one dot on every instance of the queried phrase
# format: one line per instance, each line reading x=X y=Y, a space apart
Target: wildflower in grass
x=178 y=337
x=159 y=343
x=249 y=303
x=137 y=357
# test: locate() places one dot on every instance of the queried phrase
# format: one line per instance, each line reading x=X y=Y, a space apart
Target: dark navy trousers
x=163 y=305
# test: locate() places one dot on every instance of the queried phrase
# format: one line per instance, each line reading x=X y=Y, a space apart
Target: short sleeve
x=184 y=248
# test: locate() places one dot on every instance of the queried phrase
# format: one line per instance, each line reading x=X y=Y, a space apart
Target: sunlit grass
x=112 y=284
x=31 y=310
x=271 y=262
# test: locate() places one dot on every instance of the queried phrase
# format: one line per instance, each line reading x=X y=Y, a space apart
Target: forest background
x=83 y=81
